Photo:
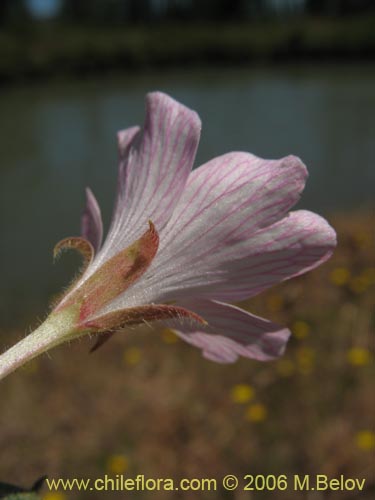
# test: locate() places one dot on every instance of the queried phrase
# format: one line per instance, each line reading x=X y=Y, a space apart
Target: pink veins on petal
x=219 y=234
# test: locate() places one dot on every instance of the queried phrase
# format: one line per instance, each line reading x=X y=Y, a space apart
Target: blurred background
x=272 y=77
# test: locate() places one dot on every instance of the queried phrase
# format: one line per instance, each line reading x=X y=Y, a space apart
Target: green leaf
x=22 y=496
x=12 y=492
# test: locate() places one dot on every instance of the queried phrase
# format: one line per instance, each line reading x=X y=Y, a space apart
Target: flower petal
x=293 y=246
x=225 y=240
x=154 y=167
x=91 y=221
x=231 y=197
x=233 y=332
x=296 y=244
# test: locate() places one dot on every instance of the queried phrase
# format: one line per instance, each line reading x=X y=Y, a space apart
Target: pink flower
x=225 y=234
x=183 y=244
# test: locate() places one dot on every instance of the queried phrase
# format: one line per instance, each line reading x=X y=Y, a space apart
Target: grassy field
x=149 y=404
x=55 y=50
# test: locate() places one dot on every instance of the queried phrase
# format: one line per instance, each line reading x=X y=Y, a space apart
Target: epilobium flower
x=183 y=243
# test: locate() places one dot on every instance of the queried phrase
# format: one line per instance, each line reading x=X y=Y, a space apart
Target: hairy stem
x=57 y=329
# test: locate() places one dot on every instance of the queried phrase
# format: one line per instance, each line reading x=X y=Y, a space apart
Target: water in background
x=57 y=138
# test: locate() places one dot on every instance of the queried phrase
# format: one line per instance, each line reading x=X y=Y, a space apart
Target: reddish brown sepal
x=142 y=314
x=115 y=275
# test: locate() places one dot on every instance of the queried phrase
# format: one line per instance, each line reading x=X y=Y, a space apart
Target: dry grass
x=144 y=405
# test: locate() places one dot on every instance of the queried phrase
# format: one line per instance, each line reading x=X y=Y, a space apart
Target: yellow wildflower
x=358 y=356
x=256 y=412
x=132 y=356
x=117 y=464
x=365 y=440
x=300 y=329
x=242 y=393
x=305 y=360
x=54 y=495
x=168 y=336
x=340 y=276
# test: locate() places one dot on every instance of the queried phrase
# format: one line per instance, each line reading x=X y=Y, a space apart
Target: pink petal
x=125 y=139
x=91 y=221
x=233 y=332
x=225 y=239
x=154 y=167
x=293 y=246
x=232 y=196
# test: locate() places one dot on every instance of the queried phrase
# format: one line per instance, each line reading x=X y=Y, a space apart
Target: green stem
x=57 y=328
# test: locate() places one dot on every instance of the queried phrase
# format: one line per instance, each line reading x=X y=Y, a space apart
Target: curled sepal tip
x=77 y=243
